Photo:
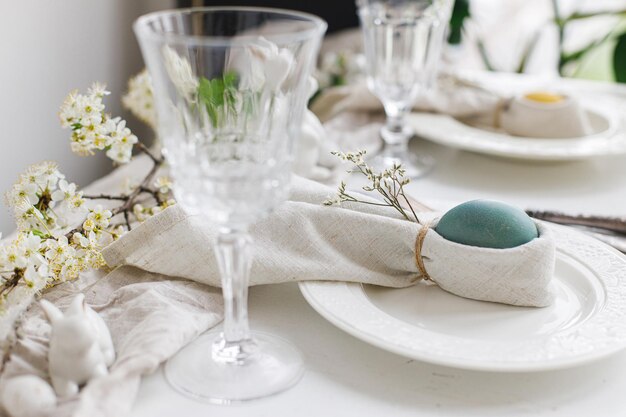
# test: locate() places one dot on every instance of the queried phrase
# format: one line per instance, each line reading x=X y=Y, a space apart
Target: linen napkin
x=452 y=95
x=473 y=104
x=305 y=240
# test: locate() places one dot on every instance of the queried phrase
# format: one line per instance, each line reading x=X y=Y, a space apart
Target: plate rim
x=308 y=289
x=613 y=132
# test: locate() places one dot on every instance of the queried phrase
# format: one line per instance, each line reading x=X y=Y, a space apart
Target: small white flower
x=16 y=258
x=81 y=240
x=77 y=201
x=36 y=278
x=139 y=212
x=163 y=184
x=120 y=153
x=27 y=217
x=92 y=240
x=100 y=217
x=30 y=244
x=21 y=193
x=58 y=249
x=98 y=90
x=66 y=191
x=89 y=225
x=45 y=174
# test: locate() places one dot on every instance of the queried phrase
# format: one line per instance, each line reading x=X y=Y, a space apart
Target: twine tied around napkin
x=419 y=242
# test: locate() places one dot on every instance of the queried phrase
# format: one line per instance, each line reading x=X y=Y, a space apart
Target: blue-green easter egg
x=487 y=224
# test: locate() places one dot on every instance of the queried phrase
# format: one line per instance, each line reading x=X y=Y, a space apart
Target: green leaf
x=482 y=50
x=217 y=93
x=39 y=233
x=619 y=59
x=565 y=59
x=460 y=12
x=230 y=90
x=211 y=94
x=230 y=79
x=530 y=47
x=579 y=15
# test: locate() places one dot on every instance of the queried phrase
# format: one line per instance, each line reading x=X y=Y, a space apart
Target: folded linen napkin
x=476 y=105
x=304 y=240
x=452 y=96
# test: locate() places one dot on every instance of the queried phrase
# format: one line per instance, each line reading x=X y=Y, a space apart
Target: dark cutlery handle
x=613 y=224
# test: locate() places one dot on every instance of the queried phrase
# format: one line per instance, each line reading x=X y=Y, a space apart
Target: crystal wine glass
x=403 y=41
x=230 y=87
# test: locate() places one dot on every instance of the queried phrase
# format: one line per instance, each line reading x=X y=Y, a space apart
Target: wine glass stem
x=234 y=258
x=395 y=132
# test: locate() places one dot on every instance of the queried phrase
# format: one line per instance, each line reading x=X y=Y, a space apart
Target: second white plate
x=586 y=322
x=609 y=137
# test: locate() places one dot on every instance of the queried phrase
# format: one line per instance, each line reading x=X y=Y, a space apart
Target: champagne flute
x=230 y=88
x=403 y=41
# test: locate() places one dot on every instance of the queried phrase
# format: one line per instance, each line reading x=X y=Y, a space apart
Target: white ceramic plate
x=609 y=137
x=586 y=322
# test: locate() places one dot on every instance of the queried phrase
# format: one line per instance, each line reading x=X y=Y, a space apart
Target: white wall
x=48 y=48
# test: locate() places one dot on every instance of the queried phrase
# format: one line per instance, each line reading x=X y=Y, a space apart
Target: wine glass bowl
x=402 y=41
x=230 y=89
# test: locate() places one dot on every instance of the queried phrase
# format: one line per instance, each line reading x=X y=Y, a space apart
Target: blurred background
x=52 y=47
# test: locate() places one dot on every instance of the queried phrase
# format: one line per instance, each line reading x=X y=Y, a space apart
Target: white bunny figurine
x=80 y=346
x=313 y=158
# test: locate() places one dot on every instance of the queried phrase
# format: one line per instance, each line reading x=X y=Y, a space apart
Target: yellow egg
x=544 y=97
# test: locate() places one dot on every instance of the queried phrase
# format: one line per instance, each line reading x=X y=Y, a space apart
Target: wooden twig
x=105 y=197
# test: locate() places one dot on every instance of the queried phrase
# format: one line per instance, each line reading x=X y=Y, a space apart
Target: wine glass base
x=275 y=366
x=415 y=166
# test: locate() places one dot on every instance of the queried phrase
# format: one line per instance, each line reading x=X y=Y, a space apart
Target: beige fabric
x=452 y=96
x=519 y=276
x=304 y=240
x=150 y=317
x=474 y=104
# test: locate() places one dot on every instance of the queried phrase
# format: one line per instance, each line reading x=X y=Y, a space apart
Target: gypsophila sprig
x=388 y=183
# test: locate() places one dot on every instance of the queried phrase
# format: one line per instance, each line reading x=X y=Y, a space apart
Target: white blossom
x=23 y=193
x=140 y=98
x=263 y=65
x=181 y=74
x=66 y=191
x=140 y=212
x=163 y=184
x=93 y=129
x=120 y=153
x=100 y=217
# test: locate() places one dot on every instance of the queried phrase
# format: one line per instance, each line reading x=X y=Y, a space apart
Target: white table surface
x=347 y=377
